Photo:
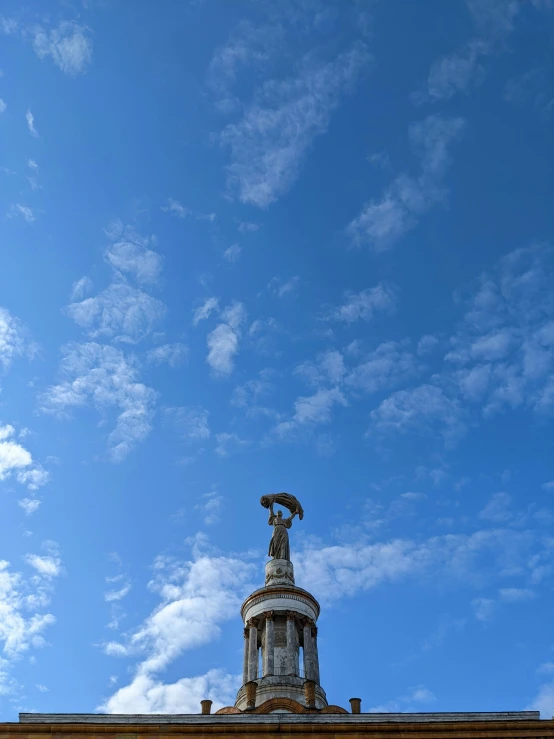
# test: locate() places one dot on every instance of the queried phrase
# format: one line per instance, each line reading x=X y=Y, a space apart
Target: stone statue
x=279 y=547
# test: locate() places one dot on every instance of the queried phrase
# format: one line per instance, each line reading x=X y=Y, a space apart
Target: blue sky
x=256 y=246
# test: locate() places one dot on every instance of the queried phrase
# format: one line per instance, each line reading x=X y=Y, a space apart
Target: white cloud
x=504 y=346
x=22 y=603
x=383 y=221
x=33 y=177
x=223 y=341
x=3 y=106
x=312 y=410
x=172 y=354
x=68 y=45
x=14 y=340
x=234 y=314
x=12 y=455
x=41 y=688
x=548 y=486
x=424 y=409
x=498 y=509
x=281 y=289
x=147 y=695
x=116 y=595
x=329 y=369
x=248 y=227
x=227 y=444
x=516 y=595
x=364 y=305
x=477 y=560
x=30 y=118
x=18 y=462
x=544 y=701
x=29 y=505
x=457 y=72
x=205 y=310
x=232 y=253
x=175 y=208
x=196 y=597
x=103 y=377
x=18 y=209
x=269 y=143
x=483 y=608
x=386 y=366
x=119 y=312
x=80 y=288
x=47 y=566
x=210 y=506
x=190 y=422
x=405 y=703
x=132 y=256
x=426 y=344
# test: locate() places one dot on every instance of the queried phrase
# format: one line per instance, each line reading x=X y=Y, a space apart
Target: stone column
x=269 y=651
x=315 y=654
x=245 y=659
x=291 y=643
x=309 y=657
x=252 y=649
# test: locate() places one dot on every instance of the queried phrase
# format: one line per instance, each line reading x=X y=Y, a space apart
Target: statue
x=279 y=547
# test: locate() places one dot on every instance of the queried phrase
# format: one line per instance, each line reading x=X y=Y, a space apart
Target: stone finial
x=355 y=705
x=206 y=706
x=309 y=693
x=251 y=695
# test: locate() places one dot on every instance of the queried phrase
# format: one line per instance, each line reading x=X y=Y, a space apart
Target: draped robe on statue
x=279 y=547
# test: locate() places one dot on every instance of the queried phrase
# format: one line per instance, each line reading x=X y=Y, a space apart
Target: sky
x=261 y=246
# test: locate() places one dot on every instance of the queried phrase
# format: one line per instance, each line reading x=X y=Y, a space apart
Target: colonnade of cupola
x=280 y=643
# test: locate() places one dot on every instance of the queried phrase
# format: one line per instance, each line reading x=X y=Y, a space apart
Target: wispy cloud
x=223 y=341
x=210 y=506
x=17 y=462
x=176 y=208
x=31 y=123
x=33 y=176
x=384 y=221
x=280 y=288
x=502 y=354
x=80 y=288
x=172 y=354
x=120 y=312
x=269 y=143
x=191 y=422
x=229 y=443
x=18 y=209
x=232 y=253
x=458 y=72
x=424 y=409
x=204 y=311
x=130 y=255
x=68 y=45
x=103 y=377
x=24 y=601
x=29 y=505
x=364 y=305
x=14 y=339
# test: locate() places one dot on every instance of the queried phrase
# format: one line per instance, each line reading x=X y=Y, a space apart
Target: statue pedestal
x=279 y=572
